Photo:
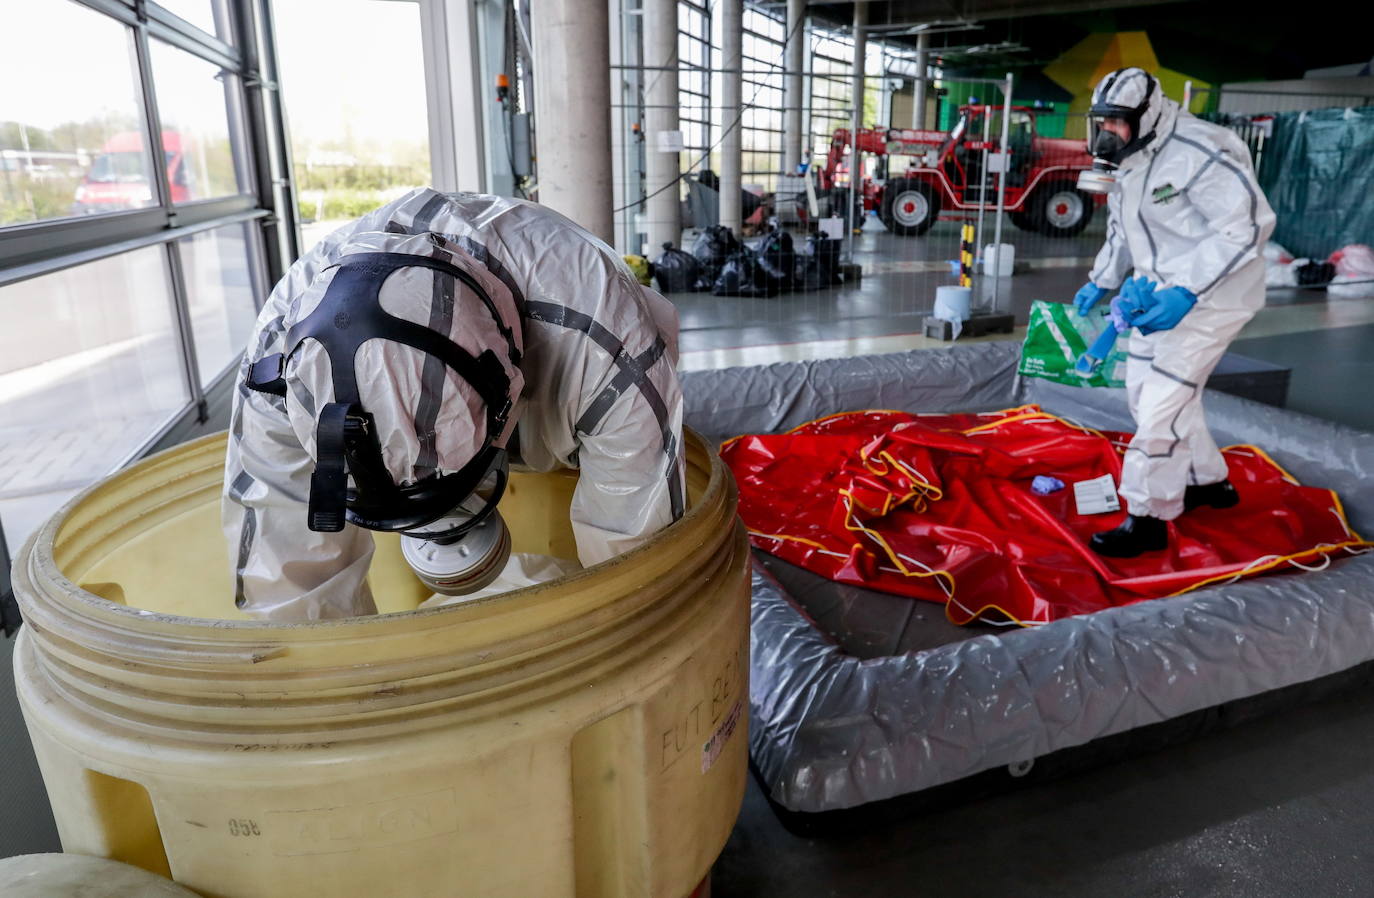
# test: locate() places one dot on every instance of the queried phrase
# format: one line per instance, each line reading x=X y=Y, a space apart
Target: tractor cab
x=978 y=133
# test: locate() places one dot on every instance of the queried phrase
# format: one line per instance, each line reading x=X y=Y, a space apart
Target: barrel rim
x=38 y=551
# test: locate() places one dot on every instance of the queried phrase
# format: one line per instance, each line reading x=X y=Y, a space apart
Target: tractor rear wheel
x=1059 y=209
x=909 y=207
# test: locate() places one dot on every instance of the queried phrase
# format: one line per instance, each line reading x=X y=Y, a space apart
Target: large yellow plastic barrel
x=586 y=737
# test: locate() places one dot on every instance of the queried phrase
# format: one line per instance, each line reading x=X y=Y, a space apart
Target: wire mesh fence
x=901 y=201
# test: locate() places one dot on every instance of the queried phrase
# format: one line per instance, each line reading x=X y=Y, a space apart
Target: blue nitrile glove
x=1088 y=296
x=1138 y=293
x=1135 y=298
x=1167 y=308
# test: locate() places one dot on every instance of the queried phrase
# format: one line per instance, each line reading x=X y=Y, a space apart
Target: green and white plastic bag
x=1057 y=335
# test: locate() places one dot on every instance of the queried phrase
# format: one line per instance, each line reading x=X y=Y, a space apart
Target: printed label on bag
x=1096 y=496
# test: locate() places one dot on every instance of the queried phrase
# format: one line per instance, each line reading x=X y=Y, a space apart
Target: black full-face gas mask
x=446 y=510
x=1110 y=101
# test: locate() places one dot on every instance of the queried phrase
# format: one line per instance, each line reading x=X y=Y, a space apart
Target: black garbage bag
x=677 y=271
x=712 y=247
x=819 y=266
x=1315 y=274
x=741 y=275
x=777 y=260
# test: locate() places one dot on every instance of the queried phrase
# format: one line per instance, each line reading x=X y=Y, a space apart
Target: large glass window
x=198 y=136
x=353 y=82
x=200 y=13
x=832 y=89
x=694 y=79
x=765 y=35
x=220 y=295
x=71 y=135
x=90 y=367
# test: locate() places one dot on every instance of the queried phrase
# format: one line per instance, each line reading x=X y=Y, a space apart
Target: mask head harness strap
x=349 y=315
x=1107 y=145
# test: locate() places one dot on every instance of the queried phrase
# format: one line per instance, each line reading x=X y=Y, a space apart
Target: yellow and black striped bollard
x=966 y=258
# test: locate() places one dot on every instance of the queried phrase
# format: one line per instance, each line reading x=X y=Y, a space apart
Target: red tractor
x=946 y=176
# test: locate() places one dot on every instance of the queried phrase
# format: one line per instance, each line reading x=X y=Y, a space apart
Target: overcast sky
x=344 y=62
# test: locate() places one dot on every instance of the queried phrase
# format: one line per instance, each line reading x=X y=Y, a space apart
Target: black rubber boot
x=1217 y=495
x=1136 y=536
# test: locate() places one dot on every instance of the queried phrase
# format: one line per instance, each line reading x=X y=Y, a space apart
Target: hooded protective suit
x=590 y=353
x=1187 y=212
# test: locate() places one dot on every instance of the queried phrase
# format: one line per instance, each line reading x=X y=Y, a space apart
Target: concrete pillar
x=663 y=208
x=572 y=103
x=793 y=99
x=918 y=104
x=860 y=65
x=857 y=119
x=732 y=104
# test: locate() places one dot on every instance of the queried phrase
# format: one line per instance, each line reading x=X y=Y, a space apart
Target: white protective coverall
x=600 y=391
x=1187 y=212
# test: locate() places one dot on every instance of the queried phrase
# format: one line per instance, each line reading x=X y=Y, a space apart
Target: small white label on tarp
x=669 y=141
x=1096 y=496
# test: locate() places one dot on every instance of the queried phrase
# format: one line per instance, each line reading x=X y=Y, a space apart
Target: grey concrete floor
x=895 y=294
x=897 y=291
x=1332 y=371
x=1275 y=808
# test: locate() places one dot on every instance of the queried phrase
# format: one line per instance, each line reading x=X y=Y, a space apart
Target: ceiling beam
x=916 y=12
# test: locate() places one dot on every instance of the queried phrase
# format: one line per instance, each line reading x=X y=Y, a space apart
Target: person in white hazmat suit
x=403 y=363
x=1187 y=217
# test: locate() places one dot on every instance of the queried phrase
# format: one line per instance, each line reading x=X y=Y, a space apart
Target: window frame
x=266 y=197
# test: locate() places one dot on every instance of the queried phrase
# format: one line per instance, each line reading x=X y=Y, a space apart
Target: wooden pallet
x=976 y=326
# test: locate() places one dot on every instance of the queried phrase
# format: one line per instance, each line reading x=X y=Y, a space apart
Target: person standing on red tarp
x=1188 y=218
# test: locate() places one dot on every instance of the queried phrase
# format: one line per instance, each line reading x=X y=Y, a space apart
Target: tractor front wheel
x=909 y=207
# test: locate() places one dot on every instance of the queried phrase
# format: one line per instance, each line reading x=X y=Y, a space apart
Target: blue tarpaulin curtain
x=1318 y=173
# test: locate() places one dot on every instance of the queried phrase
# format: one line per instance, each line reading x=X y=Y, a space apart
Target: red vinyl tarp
x=939 y=507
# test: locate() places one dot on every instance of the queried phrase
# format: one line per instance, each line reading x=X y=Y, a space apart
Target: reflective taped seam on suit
x=627 y=376
x=562 y=316
x=301 y=393
x=1254 y=212
x=477 y=251
x=1211 y=157
x=1140 y=209
x=237 y=489
x=1173 y=377
x=1114 y=240
x=1173 y=423
x=248 y=530
x=432 y=378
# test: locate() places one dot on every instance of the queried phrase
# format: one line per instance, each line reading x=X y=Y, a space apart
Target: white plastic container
x=999 y=259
